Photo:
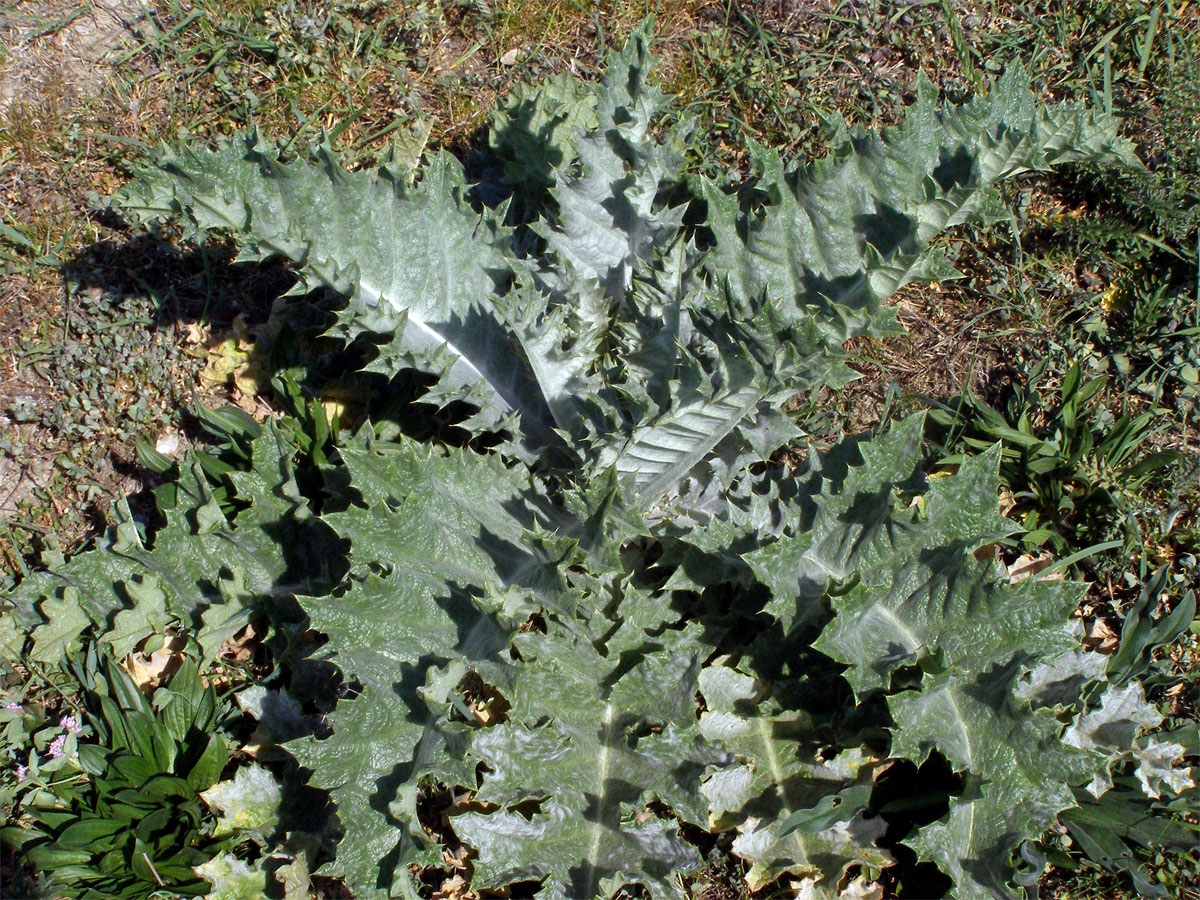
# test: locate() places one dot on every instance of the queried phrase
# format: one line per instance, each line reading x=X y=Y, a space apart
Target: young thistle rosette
x=673 y=633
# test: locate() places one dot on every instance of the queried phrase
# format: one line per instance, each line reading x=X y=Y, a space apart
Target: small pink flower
x=70 y=723
x=22 y=772
x=56 y=746
x=15 y=707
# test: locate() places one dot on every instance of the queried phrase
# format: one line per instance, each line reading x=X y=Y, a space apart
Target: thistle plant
x=621 y=622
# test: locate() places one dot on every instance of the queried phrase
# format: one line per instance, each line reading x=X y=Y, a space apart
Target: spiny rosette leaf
x=533 y=129
x=578 y=352
x=778 y=794
x=949 y=638
x=421 y=252
x=717 y=412
x=600 y=727
x=609 y=217
x=205 y=571
x=433 y=535
x=844 y=233
x=848 y=511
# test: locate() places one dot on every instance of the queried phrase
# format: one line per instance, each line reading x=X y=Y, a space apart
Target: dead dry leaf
x=258 y=409
x=986 y=552
x=1007 y=502
x=149 y=671
x=1099 y=637
x=241 y=647
x=235 y=359
x=454 y=888
x=196 y=335
x=1027 y=565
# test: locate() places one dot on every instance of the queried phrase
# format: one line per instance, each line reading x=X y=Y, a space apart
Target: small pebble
x=167 y=444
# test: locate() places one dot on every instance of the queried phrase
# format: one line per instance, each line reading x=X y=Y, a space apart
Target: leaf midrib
x=598 y=827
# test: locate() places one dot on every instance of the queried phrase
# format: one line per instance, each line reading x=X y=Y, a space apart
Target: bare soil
x=56 y=66
x=76 y=55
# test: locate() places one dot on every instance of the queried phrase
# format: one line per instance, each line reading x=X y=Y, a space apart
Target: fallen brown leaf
x=1007 y=502
x=986 y=552
x=149 y=671
x=1098 y=636
x=457 y=858
x=241 y=647
x=454 y=888
x=1027 y=565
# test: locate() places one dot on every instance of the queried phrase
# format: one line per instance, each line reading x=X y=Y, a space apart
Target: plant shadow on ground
x=220 y=310
x=120 y=369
